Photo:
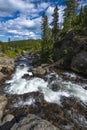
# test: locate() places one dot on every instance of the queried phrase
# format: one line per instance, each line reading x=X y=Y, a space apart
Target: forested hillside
x=15 y=48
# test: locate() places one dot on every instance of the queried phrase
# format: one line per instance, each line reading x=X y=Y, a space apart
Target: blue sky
x=21 y=19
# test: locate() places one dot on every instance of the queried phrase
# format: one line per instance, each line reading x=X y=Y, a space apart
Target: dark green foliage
x=55 y=25
x=55 y=30
x=9 y=39
x=80 y=23
x=46 y=39
x=15 y=48
x=70 y=13
x=85 y=17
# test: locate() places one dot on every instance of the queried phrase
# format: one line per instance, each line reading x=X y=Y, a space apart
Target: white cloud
x=8 y=7
x=21 y=27
x=28 y=22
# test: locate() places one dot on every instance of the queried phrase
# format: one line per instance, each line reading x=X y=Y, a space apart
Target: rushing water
x=18 y=85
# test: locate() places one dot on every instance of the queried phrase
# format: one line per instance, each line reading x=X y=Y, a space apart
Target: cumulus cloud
x=8 y=7
x=28 y=22
x=21 y=26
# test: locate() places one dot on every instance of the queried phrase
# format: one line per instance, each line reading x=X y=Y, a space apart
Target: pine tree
x=55 y=31
x=46 y=38
x=81 y=17
x=70 y=13
x=85 y=17
x=55 y=25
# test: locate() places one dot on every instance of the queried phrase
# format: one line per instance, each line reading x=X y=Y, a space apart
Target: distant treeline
x=14 y=48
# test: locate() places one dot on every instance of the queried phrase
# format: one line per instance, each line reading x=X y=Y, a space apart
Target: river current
x=64 y=88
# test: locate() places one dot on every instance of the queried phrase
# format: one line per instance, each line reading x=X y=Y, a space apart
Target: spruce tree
x=55 y=25
x=81 y=17
x=55 y=31
x=46 y=38
x=85 y=17
x=70 y=13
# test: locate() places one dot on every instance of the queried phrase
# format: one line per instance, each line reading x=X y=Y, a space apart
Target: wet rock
x=56 y=86
x=22 y=66
x=85 y=87
x=33 y=122
x=3 y=103
x=68 y=102
x=51 y=77
x=40 y=70
x=79 y=63
x=81 y=108
x=26 y=76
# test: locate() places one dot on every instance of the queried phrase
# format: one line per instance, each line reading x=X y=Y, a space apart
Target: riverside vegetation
x=57 y=44
x=60 y=48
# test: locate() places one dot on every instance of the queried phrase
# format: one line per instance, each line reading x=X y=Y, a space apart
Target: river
x=54 y=90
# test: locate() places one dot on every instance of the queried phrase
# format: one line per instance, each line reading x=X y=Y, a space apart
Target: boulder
x=6 y=66
x=33 y=122
x=7 y=118
x=3 y=103
x=40 y=70
x=2 y=76
x=26 y=76
x=79 y=63
x=56 y=86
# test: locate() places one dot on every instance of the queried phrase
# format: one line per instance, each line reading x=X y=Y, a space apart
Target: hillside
x=15 y=48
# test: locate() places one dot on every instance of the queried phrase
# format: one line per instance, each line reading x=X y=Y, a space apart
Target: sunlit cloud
x=22 y=18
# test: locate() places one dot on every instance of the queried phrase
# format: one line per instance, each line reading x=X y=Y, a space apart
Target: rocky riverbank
x=72 y=51
x=20 y=102
x=7 y=66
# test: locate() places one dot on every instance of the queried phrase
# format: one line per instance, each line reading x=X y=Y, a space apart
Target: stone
x=7 y=118
x=56 y=86
x=32 y=122
x=3 y=103
x=2 y=76
x=79 y=63
x=7 y=66
x=39 y=71
x=26 y=76
x=85 y=87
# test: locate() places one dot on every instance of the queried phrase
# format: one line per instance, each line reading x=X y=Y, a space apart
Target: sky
x=21 y=19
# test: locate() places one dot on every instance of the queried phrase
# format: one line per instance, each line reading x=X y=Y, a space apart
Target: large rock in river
x=41 y=70
x=79 y=63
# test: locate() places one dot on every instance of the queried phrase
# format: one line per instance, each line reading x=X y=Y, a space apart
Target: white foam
x=18 y=85
x=22 y=86
x=76 y=91
x=18 y=74
x=30 y=73
x=23 y=103
x=71 y=75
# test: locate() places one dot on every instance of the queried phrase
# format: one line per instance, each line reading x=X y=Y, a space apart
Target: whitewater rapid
x=18 y=85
